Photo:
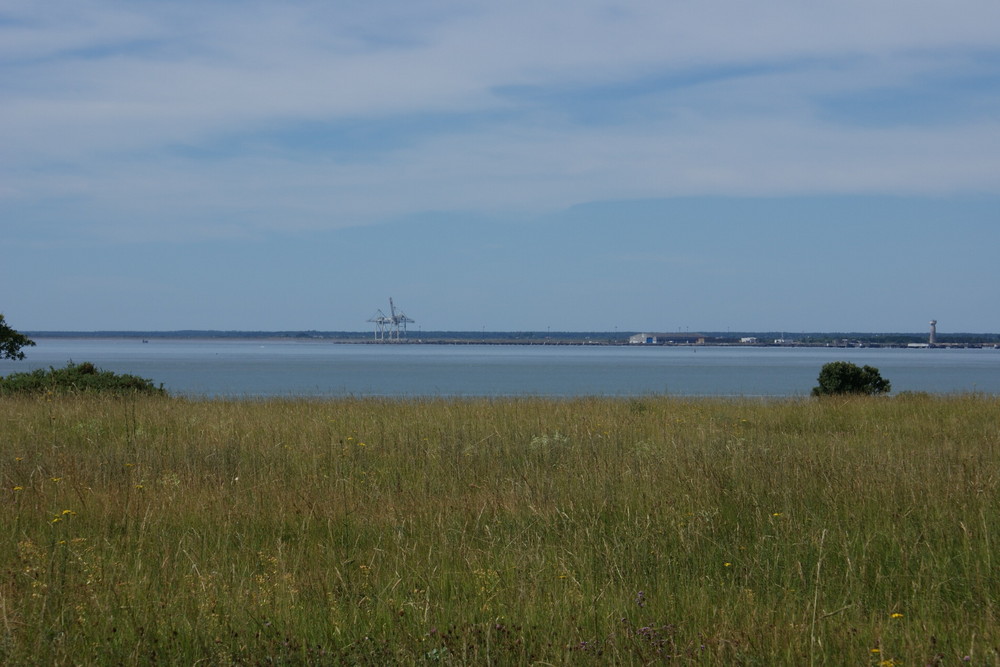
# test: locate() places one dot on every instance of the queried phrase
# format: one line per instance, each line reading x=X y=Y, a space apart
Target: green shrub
x=76 y=378
x=843 y=377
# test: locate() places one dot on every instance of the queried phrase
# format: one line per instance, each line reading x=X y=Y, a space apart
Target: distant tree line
x=898 y=338
x=496 y=337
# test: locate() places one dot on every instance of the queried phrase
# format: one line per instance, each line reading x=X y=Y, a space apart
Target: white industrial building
x=667 y=339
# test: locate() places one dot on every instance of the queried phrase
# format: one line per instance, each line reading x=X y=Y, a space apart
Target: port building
x=667 y=339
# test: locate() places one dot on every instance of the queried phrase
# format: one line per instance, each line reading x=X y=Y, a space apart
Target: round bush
x=843 y=377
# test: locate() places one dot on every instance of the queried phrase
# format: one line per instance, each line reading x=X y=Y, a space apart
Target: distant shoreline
x=592 y=338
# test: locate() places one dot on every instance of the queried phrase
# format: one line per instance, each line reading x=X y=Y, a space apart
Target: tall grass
x=368 y=531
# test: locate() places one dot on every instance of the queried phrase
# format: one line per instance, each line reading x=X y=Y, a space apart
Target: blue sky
x=582 y=165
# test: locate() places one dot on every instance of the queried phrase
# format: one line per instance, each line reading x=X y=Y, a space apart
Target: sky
x=577 y=165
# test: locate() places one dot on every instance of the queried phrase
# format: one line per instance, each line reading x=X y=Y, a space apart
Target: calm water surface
x=268 y=368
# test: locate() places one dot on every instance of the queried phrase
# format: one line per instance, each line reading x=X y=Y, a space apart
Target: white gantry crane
x=390 y=327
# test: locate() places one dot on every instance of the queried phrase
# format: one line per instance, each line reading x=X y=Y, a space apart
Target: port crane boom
x=390 y=328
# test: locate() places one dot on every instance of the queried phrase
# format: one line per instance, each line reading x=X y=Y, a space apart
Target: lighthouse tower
x=933 y=338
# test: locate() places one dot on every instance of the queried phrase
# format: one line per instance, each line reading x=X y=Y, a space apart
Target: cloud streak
x=219 y=118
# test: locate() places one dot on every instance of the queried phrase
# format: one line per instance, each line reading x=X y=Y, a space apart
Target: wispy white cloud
x=220 y=117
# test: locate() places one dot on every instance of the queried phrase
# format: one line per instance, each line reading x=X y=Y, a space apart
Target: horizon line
x=483 y=332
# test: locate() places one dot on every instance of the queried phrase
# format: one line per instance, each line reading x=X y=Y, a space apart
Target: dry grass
x=500 y=531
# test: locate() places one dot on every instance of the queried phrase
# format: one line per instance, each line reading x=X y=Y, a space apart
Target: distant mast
x=933 y=337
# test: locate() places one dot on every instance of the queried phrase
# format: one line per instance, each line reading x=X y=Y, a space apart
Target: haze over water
x=267 y=368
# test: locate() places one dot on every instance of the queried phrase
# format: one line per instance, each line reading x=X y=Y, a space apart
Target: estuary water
x=257 y=368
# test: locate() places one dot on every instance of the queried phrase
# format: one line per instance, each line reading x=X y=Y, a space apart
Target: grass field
x=589 y=531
